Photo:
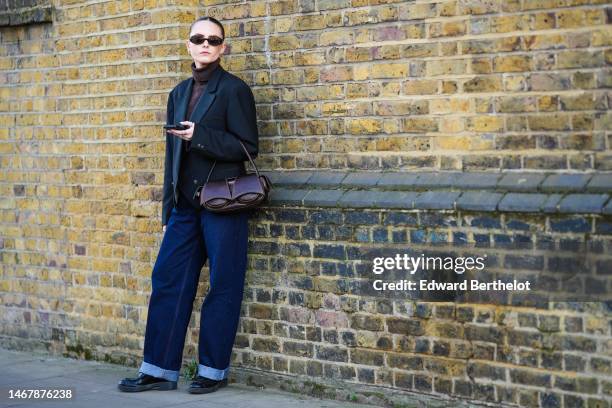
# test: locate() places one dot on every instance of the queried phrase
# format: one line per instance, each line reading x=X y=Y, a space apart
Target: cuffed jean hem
x=155 y=371
x=212 y=373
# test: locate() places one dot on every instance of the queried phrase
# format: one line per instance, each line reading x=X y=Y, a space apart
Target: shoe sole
x=164 y=386
x=197 y=390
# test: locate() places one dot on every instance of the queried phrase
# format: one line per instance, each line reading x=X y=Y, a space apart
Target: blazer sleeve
x=168 y=191
x=241 y=122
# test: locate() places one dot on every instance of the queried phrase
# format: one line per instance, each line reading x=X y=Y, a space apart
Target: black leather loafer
x=203 y=385
x=146 y=382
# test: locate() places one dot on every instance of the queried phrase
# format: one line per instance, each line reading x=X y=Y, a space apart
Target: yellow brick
x=390 y=89
x=484 y=142
x=460 y=105
x=413 y=11
x=284 y=42
x=543 y=21
x=451 y=124
x=283 y=7
x=570 y=18
x=539 y=42
x=258 y=9
x=509 y=23
x=449 y=87
x=514 y=63
x=310 y=58
x=311 y=127
x=420 y=87
x=361 y=72
x=334 y=18
x=511 y=6
x=387 y=13
x=286 y=77
x=602 y=37
x=313 y=145
x=336 y=37
x=311 y=75
x=293 y=146
x=452 y=28
x=400 y=107
x=485 y=124
x=309 y=22
x=364 y=126
x=419 y=124
x=439 y=106
x=478 y=7
x=388 y=144
x=447 y=8
x=415 y=30
x=547 y=103
x=391 y=126
x=389 y=70
x=452 y=142
x=359 y=17
x=169 y=16
x=358 y=54
x=549 y=122
x=514 y=83
x=446 y=67
x=336 y=73
x=335 y=109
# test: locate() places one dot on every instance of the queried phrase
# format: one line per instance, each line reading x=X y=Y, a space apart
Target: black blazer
x=224 y=112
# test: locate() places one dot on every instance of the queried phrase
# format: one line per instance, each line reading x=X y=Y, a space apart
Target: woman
x=217 y=109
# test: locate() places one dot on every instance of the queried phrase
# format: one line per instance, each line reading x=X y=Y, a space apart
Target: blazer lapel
x=203 y=103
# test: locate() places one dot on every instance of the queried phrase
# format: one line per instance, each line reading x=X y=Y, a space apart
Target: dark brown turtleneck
x=200 y=80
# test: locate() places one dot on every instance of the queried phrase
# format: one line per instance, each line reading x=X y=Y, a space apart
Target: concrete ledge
x=478 y=201
x=475 y=191
x=502 y=182
x=522 y=202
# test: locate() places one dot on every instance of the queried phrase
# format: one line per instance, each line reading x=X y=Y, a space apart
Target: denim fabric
x=193 y=236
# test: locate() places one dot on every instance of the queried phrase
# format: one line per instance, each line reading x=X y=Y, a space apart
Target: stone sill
x=477 y=191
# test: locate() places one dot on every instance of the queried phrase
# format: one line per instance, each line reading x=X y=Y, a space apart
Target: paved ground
x=94 y=385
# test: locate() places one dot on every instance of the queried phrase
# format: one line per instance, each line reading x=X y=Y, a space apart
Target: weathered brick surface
x=453 y=85
x=532 y=354
x=420 y=103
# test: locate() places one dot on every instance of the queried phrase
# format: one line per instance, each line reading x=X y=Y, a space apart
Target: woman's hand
x=186 y=134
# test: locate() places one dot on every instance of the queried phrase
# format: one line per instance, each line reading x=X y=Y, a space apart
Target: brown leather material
x=235 y=194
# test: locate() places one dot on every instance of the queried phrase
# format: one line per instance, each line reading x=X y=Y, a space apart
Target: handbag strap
x=248 y=155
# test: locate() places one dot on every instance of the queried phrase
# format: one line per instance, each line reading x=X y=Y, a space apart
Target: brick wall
x=442 y=85
x=311 y=309
x=419 y=89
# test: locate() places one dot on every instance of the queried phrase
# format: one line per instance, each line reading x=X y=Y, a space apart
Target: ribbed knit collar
x=203 y=74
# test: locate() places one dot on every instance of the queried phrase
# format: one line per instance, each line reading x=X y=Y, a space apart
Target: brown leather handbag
x=235 y=194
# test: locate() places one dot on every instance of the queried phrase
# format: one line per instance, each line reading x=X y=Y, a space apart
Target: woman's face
x=205 y=53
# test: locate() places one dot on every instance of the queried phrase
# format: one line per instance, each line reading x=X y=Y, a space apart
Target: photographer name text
x=459 y=265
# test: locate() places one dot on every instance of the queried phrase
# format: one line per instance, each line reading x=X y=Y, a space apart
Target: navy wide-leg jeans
x=192 y=236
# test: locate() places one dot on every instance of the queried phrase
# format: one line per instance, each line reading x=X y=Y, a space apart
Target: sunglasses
x=213 y=40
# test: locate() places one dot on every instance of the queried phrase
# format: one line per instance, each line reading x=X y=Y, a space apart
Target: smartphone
x=176 y=126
